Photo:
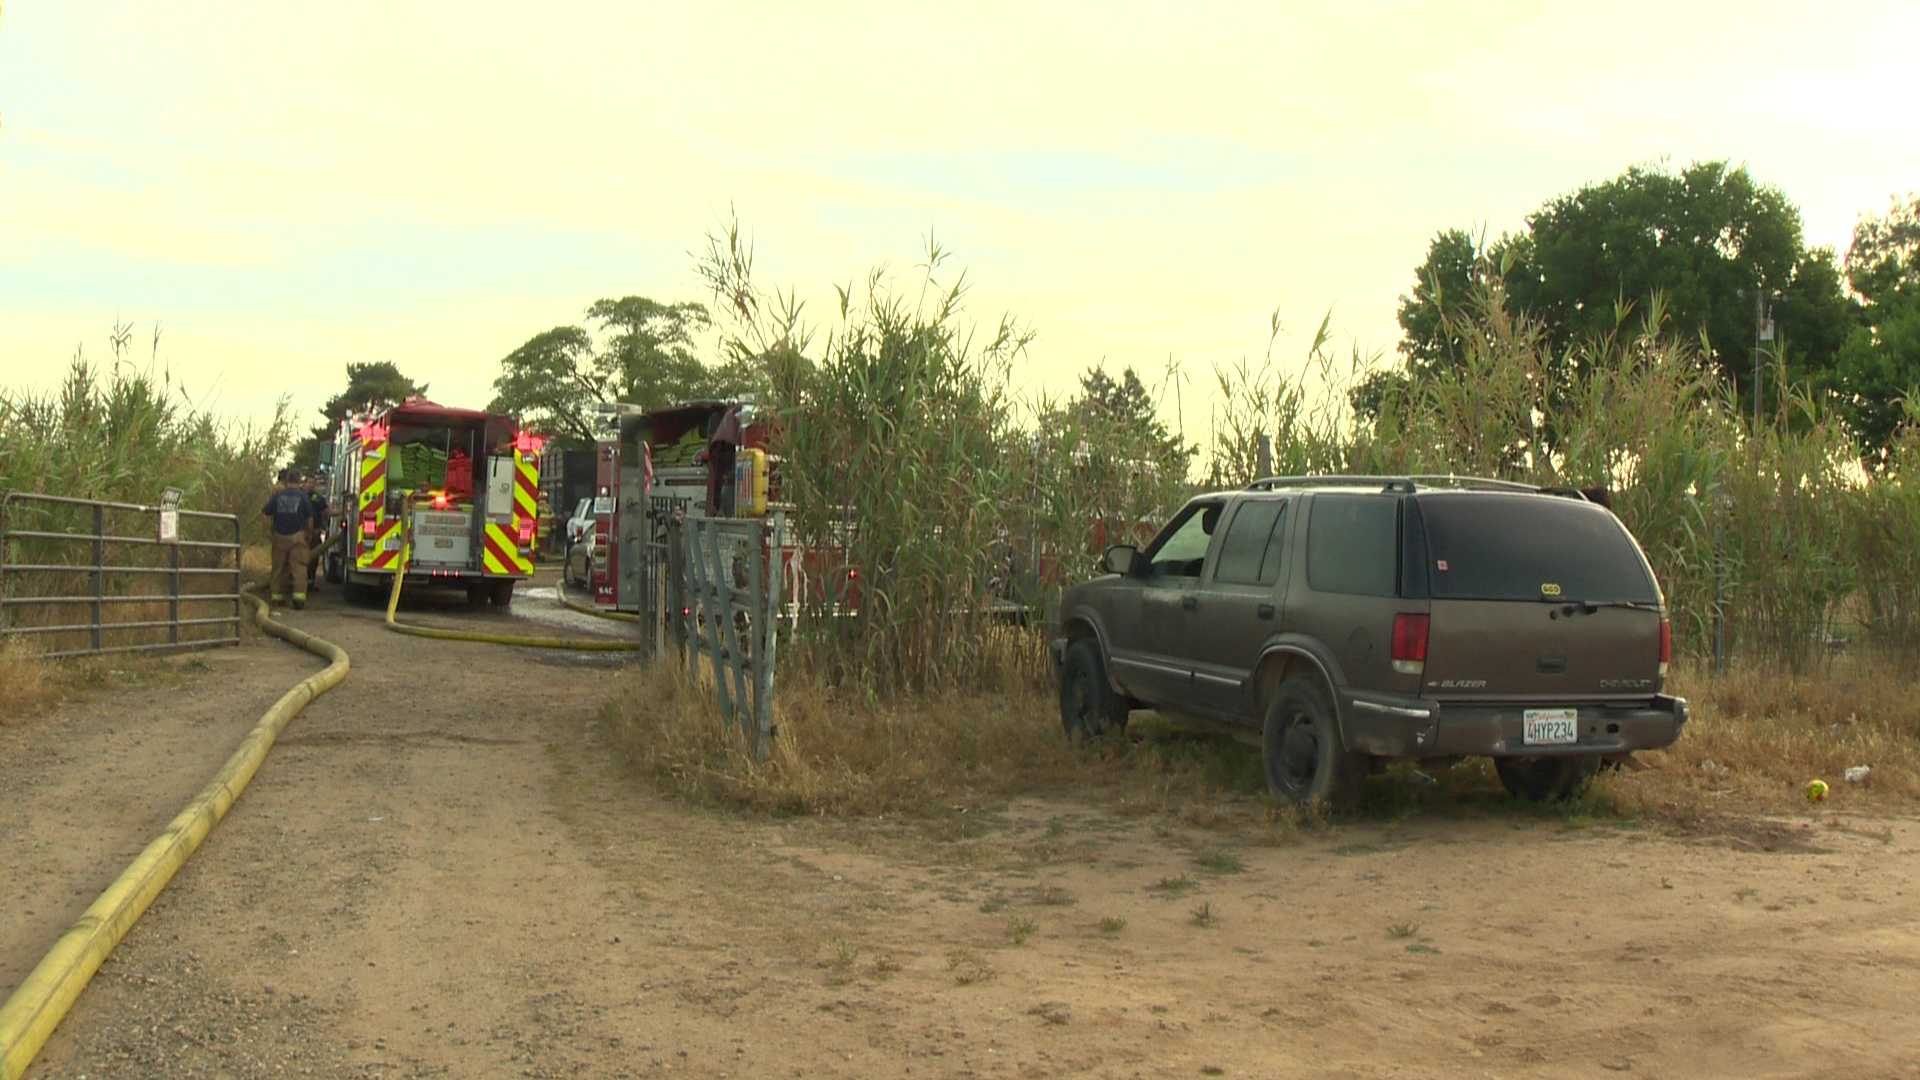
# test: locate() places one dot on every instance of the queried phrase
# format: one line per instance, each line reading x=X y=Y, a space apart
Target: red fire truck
x=473 y=478
x=697 y=459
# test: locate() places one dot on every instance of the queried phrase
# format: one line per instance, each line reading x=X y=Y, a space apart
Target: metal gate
x=54 y=557
x=726 y=578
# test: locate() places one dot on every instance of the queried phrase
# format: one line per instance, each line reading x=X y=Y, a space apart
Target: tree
x=369 y=386
x=1443 y=290
x=647 y=358
x=1123 y=409
x=550 y=383
x=1879 y=365
x=1706 y=239
x=650 y=351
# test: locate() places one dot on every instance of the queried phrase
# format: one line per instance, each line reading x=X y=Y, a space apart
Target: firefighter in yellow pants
x=544 y=527
x=289 y=514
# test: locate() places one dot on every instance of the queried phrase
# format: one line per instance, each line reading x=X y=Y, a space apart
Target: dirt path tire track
x=464 y=888
x=31 y=1012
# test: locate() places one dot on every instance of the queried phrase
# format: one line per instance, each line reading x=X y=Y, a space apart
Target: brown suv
x=1357 y=619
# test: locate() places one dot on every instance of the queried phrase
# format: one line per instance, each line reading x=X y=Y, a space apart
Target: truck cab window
x=1184 y=551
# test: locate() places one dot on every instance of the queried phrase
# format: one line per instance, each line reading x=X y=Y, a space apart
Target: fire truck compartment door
x=442 y=537
x=500 y=481
x=632 y=522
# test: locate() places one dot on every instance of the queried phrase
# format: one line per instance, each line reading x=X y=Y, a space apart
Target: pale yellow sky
x=287 y=189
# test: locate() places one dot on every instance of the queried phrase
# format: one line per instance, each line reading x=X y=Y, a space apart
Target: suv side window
x=1250 y=552
x=1353 y=544
x=1183 y=552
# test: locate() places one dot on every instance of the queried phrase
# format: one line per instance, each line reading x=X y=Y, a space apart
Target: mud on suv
x=1359 y=619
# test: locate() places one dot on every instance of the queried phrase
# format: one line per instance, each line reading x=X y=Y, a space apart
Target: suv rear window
x=1505 y=547
x=1352 y=544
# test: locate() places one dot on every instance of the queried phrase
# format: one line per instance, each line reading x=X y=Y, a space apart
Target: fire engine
x=693 y=460
x=471 y=480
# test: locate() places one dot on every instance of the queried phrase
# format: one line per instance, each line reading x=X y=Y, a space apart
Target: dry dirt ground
x=442 y=871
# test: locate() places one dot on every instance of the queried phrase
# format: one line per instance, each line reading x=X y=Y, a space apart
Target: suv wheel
x=1545 y=779
x=1306 y=761
x=1088 y=706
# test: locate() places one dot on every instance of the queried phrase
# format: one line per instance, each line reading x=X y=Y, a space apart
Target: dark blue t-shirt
x=292 y=511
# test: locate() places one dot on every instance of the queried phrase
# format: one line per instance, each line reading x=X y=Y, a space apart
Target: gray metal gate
x=54 y=557
x=725 y=598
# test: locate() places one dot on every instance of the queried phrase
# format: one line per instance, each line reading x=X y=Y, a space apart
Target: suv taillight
x=1409 y=644
x=1666 y=646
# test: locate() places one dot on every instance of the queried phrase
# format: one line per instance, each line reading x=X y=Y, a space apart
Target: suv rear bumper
x=1417 y=728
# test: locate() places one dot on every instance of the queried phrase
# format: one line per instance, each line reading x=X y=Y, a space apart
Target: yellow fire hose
x=37 y=1006
x=588 y=609
x=528 y=641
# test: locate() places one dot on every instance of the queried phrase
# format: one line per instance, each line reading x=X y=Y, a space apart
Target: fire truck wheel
x=478 y=593
x=503 y=594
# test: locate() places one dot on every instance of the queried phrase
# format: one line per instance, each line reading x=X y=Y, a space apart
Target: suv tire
x=1305 y=759
x=1089 y=708
x=1546 y=779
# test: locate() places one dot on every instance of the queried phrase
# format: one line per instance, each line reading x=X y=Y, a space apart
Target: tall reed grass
x=124 y=433
x=908 y=449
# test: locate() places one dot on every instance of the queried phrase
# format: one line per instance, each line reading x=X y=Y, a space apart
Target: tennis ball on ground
x=1816 y=791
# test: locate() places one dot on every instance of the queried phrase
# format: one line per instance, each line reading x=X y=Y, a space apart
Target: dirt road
x=468 y=885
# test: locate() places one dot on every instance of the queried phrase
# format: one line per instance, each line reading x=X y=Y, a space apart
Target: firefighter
x=289 y=514
x=543 y=527
x=316 y=533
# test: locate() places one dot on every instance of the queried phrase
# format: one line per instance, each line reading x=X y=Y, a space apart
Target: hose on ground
x=30 y=1015
x=444 y=634
x=585 y=608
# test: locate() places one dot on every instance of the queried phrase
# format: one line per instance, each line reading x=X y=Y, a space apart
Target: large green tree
x=1879 y=365
x=369 y=386
x=1708 y=238
x=646 y=354
x=1124 y=410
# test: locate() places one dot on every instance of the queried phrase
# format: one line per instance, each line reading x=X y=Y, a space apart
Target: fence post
x=99 y=570
x=173 y=594
x=237 y=582
x=763 y=657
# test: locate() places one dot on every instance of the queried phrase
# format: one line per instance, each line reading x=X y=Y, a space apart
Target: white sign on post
x=170 y=516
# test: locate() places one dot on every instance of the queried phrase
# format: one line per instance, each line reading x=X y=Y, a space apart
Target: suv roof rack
x=1410 y=483
x=1387 y=483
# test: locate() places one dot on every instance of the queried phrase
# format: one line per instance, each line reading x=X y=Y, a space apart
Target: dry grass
x=837 y=753
x=844 y=753
x=31 y=686
x=26 y=685
x=1753 y=742
x=1757 y=737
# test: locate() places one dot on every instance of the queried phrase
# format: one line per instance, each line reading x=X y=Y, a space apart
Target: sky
x=283 y=189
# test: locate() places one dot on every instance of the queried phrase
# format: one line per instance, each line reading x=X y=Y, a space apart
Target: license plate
x=442 y=542
x=1550 y=727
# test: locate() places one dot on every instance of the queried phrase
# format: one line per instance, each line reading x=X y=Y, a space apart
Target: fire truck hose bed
x=40 y=1003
